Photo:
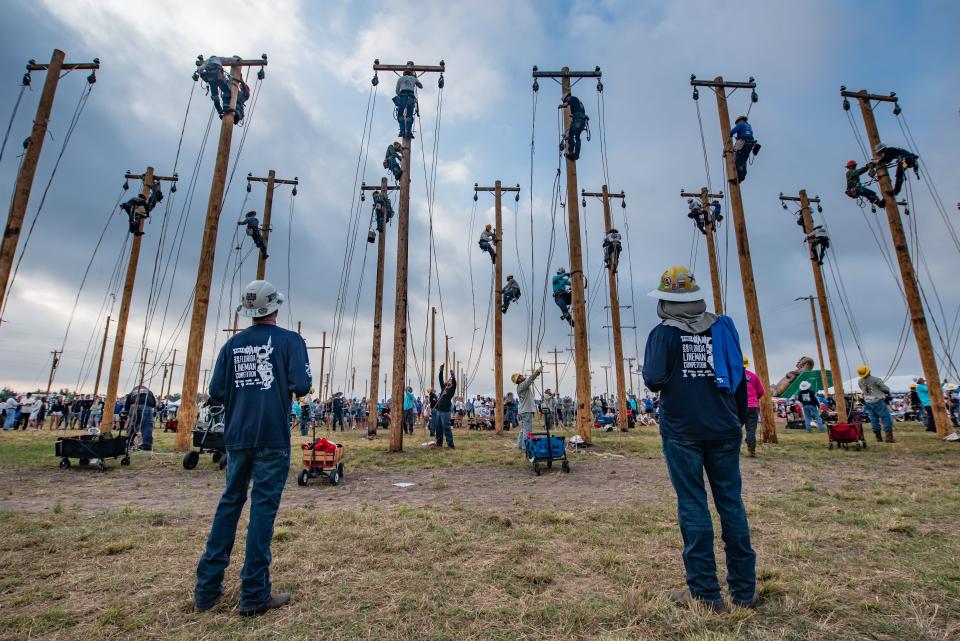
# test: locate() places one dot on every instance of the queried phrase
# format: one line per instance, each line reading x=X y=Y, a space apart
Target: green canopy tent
x=813 y=377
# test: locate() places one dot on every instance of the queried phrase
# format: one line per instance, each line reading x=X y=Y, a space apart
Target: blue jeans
x=812 y=413
x=526 y=426
x=141 y=420
x=577 y=125
x=268 y=469
x=879 y=414
x=10 y=419
x=442 y=428
x=406 y=103
x=686 y=463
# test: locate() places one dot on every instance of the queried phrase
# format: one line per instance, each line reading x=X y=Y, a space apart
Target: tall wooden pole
x=835 y=371
x=53 y=372
x=768 y=418
x=498 y=412
x=208 y=248
x=911 y=287
x=400 y=303
x=580 y=341
x=173 y=364
x=378 y=313
x=103 y=351
x=433 y=346
x=605 y=195
x=113 y=379
x=267 y=212
x=710 y=228
x=28 y=166
x=816 y=336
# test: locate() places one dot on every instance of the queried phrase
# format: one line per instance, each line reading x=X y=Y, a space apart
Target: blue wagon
x=543 y=447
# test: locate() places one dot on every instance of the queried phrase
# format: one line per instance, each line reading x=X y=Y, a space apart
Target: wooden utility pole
x=629 y=362
x=709 y=230
x=187 y=414
x=113 y=378
x=433 y=346
x=835 y=372
x=385 y=189
x=143 y=365
x=605 y=196
x=816 y=336
x=606 y=379
x=323 y=361
x=911 y=287
x=719 y=86
x=31 y=156
x=271 y=181
x=580 y=340
x=498 y=190
x=103 y=351
x=163 y=381
x=173 y=364
x=403 y=234
x=53 y=372
x=556 y=369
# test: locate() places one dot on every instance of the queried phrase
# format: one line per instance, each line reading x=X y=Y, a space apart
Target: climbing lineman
x=382 y=209
x=214 y=75
x=578 y=122
x=488 y=241
x=510 y=293
x=139 y=207
x=744 y=145
x=562 y=289
x=392 y=160
x=904 y=159
x=855 y=190
x=253 y=231
x=406 y=101
x=611 y=250
x=819 y=242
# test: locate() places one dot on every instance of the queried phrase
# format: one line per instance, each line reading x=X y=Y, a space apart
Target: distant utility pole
x=629 y=362
x=377 y=305
x=580 y=340
x=323 y=361
x=497 y=190
x=807 y=217
x=556 y=368
x=719 y=87
x=103 y=351
x=606 y=380
x=31 y=156
x=187 y=414
x=53 y=372
x=173 y=364
x=709 y=230
x=113 y=378
x=907 y=273
x=605 y=196
x=271 y=181
x=403 y=238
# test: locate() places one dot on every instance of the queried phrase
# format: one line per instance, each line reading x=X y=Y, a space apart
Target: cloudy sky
x=309 y=121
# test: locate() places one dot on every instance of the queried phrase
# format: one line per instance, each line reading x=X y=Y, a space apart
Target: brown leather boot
x=752 y=450
x=879 y=437
x=888 y=437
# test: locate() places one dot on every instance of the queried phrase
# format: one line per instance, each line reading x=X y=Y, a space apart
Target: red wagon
x=846 y=434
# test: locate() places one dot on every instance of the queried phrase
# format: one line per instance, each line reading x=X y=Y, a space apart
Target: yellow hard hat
x=746 y=362
x=863 y=371
x=429 y=390
x=913 y=386
x=488 y=226
x=677 y=284
x=516 y=378
x=509 y=276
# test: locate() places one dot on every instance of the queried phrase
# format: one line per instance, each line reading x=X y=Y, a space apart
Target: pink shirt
x=754 y=389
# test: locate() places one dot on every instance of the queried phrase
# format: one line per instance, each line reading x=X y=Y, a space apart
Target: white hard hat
x=805 y=385
x=260 y=298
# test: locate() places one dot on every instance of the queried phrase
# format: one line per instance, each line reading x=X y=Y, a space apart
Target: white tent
x=898 y=384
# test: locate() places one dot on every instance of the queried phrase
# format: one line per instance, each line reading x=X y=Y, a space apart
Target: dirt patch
x=596 y=480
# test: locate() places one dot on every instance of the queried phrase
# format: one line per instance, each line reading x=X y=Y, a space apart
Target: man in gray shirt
x=875 y=393
x=527 y=406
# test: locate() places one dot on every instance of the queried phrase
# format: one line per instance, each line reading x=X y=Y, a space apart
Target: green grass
x=851 y=545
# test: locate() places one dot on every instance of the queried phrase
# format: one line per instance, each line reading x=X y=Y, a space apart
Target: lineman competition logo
x=252 y=366
x=697 y=356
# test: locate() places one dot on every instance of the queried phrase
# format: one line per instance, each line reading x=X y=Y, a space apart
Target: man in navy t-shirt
x=256 y=373
x=693 y=359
